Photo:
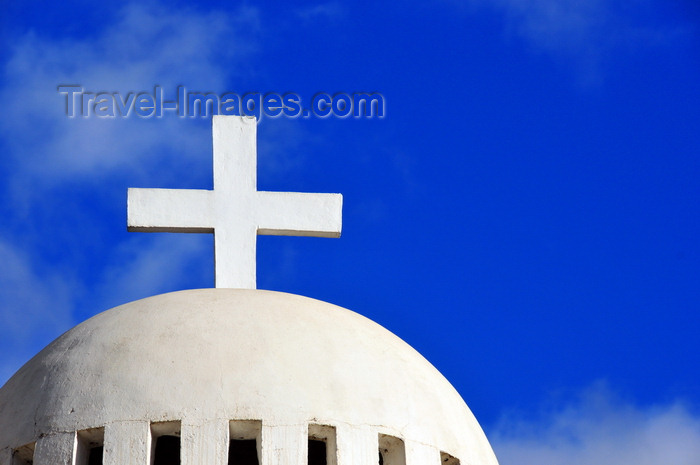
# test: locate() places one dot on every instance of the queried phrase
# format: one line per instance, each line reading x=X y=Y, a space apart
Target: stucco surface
x=198 y=355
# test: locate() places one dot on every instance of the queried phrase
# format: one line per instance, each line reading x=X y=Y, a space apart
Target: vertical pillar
x=6 y=456
x=127 y=442
x=55 y=449
x=205 y=444
x=421 y=454
x=357 y=445
x=284 y=445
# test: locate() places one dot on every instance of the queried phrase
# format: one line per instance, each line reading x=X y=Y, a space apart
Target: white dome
x=198 y=355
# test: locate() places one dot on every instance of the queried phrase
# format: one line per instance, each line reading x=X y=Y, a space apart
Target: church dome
x=204 y=359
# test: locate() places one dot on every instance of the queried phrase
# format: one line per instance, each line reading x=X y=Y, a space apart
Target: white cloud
x=588 y=33
x=321 y=11
x=35 y=307
x=601 y=429
x=146 y=45
x=557 y=23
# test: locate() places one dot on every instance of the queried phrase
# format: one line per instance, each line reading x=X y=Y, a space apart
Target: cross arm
x=170 y=210
x=299 y=214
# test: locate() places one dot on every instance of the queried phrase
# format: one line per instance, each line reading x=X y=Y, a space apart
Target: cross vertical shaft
x=235 y=182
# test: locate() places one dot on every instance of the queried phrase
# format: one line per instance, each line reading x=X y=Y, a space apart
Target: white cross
x=235 y=211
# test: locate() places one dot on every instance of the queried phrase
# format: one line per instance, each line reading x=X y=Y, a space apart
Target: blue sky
x=525 y=215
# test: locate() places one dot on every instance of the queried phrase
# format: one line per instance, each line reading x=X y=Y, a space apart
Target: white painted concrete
x=204 y=357
x=235 y=211
x=127 y=441
x=357 y=444
x=55 y=449
x=205 y=442
x=284 y=444
x=418 y=453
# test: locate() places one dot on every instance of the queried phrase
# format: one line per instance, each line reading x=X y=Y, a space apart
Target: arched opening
x=23 y=455
x=321 y=446
x=447 y=459
x=244 y=442
x=167 y=450
x=90 y=447
x=243 y=452
x=165 y=443
x=95 y=455
x=317 y=452
x=391 y=450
